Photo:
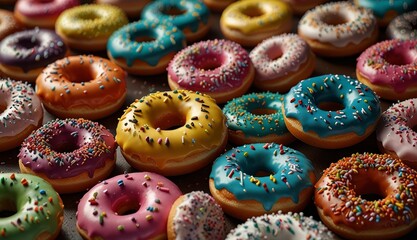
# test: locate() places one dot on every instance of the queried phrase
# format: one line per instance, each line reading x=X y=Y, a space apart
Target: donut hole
x=330 y=106
x=173 y=11
x=208 y=64
x=263 y=173
x=371 y=187
x=80 y=73
x=7 y=208
x=88 y=16
x=28 y=42
x=256 y=168
x=253 y=12
x=334 y=19
x=263 y=111
x=65 y=142
x=125 y=205
x=141 y=39
x=274 y=53
x=399 y=57
x=169 y=121
x=3 y=105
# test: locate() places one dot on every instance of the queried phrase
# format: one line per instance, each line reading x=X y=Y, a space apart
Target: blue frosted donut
x=191 y=16
x=256 y=117
x=252 y=180
x=145 y=47
x=331 y=111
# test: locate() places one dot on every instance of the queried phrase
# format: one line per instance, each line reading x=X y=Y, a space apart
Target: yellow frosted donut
x=251 y=21
x=172 y=133
x=87 y=27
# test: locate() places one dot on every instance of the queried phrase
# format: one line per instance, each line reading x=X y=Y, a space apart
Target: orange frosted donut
x=82 y=86
x=172 y=133
x=8 y=23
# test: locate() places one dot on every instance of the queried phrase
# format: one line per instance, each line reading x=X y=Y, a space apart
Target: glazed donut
x=8 y=24
x=331 y=111
x=281 y=62
x=191 y=16
x=251 y=21
x=395 y=132
x=39 y=211
x=145 y=57
x=252 y=180
x=340 y=197
x=24 y=54
x=256 y=117
x=299 y=7
x=132 y=8
x=219 y=68
x=82 y=86
x=71 y=154
x=403 y=27
x=290 y=226
x=385 y=11
x=88 y=27
x=218 y=5
x=172 y=133
x=389 y=68
x=196 y=215
x=43 y=14
x=338 y=29
x=129 y=206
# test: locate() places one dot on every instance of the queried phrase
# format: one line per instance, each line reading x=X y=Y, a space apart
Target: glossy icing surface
x=381 y=7
x=361 y=106
x=236 y=171
x=403 y=27
x=40 y=9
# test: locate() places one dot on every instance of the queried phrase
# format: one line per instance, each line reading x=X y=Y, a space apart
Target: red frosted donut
x=8 y=23
x=219 y=68
x=41 y=13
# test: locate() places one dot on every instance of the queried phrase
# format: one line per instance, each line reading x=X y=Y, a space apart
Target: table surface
x=139 y=86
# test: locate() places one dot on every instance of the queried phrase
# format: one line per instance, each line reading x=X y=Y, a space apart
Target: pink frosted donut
x=389 y=68
x=219 y=68
x=281 y=62
x=41 y=13
x=395 y=134
x=129 y=206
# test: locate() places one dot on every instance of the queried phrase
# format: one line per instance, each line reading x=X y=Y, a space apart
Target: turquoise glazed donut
x=191 y=16
x=145 y=57
x=239 y=183
x=256 y=117
x=331 y=111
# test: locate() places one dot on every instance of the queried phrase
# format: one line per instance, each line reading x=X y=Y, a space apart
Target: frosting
x=274 y=13
x=151 y=196
x=359 y=24
x=403 y=27
x=39 y=209
x=168 y=39
x=361 y=107
x=232 y=62
x=290 y=173
x=31 y=49
x=391 y=62
x=293 y=52
x=290 y=226
x=46 y=149
x=43 y=9
x=23 y=107
x=8 y=23
x=198 y=216
x=381 y=7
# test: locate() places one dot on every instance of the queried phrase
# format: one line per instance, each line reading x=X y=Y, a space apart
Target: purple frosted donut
x=71 y=154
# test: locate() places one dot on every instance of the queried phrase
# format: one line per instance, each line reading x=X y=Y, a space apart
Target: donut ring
x=331 y=111
x=403 y=27
x=103 y=212
x=242 y=194
x=8 y=24
x=82 y=86
x=199 y=135
x=39 y=209
x=256 y=117
x=22 y=114
x=343 y=208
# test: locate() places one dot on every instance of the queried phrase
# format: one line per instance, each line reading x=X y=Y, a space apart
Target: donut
x=403 y=27
x=338 y=29
x=281 y=62
x=191 y=16
x=88 y=27
x=172 y=133
x=299 y=7
x=129 y=206
x=196 y=215
x=256 y=117
x=8 y=23
x=132 y=8
x=37 y=209
x=145 y=47
x=342 y=191
x=24 y=54
x=251 y=21
x=290 y=226
x=82 y=86
x=331 y=111
x=385 y=11
x=218 y=5
x=43 y=13
x=389 y=68
x=260 y=178
x=71 y=154
x=21 y=113
x=219 y=68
